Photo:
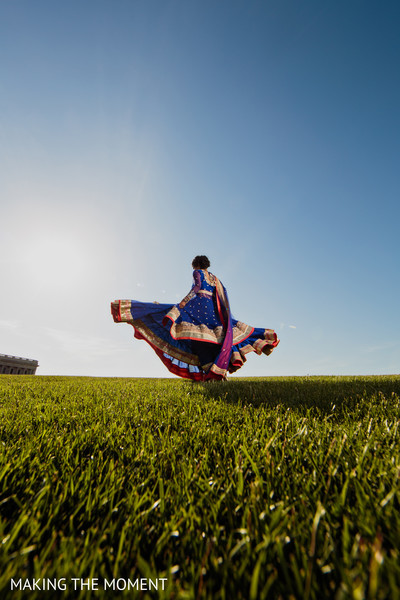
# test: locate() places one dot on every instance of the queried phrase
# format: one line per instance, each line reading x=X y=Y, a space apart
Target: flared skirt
x=189 y=346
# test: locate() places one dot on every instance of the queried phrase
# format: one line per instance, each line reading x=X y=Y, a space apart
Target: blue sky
x=135 y=135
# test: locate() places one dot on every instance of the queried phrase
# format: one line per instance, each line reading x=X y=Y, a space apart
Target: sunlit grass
x=254 y=488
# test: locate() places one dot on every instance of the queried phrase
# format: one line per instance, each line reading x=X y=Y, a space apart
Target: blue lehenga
x=198 y=338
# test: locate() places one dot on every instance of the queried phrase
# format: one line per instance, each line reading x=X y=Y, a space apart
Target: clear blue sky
x=136 y=134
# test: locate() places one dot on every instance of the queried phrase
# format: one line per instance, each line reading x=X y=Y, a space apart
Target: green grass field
x=253 y=488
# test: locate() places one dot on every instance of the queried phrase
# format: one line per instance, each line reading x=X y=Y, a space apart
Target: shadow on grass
x=305 y=393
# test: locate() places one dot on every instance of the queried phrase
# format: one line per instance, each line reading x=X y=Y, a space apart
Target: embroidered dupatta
x=220 y=366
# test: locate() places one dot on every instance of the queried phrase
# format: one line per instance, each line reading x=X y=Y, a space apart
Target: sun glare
x=56 y=260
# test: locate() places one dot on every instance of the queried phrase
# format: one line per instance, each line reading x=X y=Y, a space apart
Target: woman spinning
x=198 y=338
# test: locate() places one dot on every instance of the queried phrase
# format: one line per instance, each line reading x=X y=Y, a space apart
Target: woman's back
x=207 y=279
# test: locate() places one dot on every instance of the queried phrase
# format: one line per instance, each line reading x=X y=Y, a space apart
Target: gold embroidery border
x=240 y=332
x=209 y=277
x=192 y=331
x=205 y=293
x=238 y=356
x=190 y=359
x=173 y=314
x=218 y=370
x=125 y=310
